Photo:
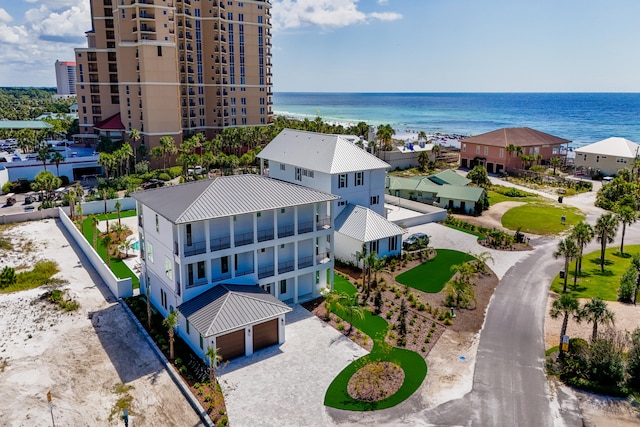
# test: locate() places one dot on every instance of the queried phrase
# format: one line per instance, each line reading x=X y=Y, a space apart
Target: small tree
x=118 y=207
x=170 y=322
x=627 y=216
x=478 y=175
x=213 y=357
x=7 y=277
x=605 y=230
x=567 y=248
x=402 y=322
x=597 y=312
x=377 y=301
x=107 y=242
x=582 y=233
x=460 y=291
x=94 y=223
x=567 y=306
x=349 y=304
x=633 y=359
x=555 y=162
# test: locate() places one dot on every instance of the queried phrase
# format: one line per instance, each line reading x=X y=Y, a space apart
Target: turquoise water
x=579 y=117
x=136 y=245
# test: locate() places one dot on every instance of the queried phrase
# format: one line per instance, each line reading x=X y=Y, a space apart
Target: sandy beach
x=78 y=356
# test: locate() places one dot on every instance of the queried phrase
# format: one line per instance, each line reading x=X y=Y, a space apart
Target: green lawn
x=432 y=275
x=541 y=218
x=495 y=197
x=592 y=283
x=413 y=365
x=119 y=268
x=480 y=236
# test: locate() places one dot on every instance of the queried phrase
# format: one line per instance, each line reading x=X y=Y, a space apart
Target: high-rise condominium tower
x=66 y=78
x=174 y=68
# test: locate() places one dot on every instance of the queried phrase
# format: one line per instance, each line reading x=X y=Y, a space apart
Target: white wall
x=30 y=168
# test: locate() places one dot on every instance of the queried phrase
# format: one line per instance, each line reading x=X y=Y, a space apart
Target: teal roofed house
x=446 y=189
x=24 y=124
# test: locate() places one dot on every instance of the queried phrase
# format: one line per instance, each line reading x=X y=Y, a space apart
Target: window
x=149 y=248
x=375 y=200
x=157 y=224
x=393 y=243
x=283 y=287
x=163 y=298
x=374 y=247
x=224 y=265
x=486 y=151
x=359 y=178
x=201 y=270
x=283 y=167
x=298 y=174
x=201 y=343
x=159 y=50
x=189 y=238
x=501 y=154
x=343 y=180
x=188 y=331
x=477 y=149
x=464 y=148
x=168 y=270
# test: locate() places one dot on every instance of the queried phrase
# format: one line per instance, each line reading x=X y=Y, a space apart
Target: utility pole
x=53 y=421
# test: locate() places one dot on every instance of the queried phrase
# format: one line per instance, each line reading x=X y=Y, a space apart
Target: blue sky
x=388 y=45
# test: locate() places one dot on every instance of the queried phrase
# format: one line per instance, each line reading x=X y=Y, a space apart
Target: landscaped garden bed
x=381 y=330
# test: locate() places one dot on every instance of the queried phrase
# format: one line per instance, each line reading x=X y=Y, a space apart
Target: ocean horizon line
x=460 y=92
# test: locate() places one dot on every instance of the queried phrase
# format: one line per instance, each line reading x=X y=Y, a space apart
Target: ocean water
x=582 y=118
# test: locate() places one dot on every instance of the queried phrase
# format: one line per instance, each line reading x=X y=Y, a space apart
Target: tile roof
x=520 y=137
x=365 y=225
x=110 y=123
x=227 y=307
x=320 y=152
x=614 y=146
x=226 y=196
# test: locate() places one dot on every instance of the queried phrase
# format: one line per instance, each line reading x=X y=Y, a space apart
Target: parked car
x=29 y=199
x=415 y=239
x=153 y=183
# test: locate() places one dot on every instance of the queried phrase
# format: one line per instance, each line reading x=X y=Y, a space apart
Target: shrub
x=174 y=171
x=627 y=285
x=164 y=176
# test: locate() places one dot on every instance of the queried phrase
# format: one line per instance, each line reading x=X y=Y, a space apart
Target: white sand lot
x=77 y=358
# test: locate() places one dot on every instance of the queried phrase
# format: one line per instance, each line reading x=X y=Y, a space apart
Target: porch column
x=295 y=290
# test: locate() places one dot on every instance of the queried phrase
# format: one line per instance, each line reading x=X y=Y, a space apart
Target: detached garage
x=236 y=319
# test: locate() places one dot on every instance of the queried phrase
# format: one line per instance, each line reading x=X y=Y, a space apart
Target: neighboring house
x=446 y=189
x=272 y=237
x=607 y=156
x=406 y=156
x=501 y=150
x=333 y=164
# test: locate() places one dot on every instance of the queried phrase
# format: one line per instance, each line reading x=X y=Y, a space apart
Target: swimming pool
x=136 y=245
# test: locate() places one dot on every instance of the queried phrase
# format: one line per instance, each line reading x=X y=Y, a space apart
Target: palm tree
x=596 y=311
x=460 y=287
x=43 y=155
x=582 y=233
x=566 y=306
x=127 y=153
x=555 y=162
x=385 y=134
x=482 y=258
x=214 y=357
x=567 y=248
x=56 y=158
x=423 y=159
x=107 y=241
x=349 y=304
x=635 y=261
x=170 y=322
x=627 y=216
x=135 y=136
x=94 y=223
x=605 y=230
x=118 y=207
x=436 y=150
x=167 y=148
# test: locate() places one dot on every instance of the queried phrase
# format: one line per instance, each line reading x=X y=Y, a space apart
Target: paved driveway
x=285 y=386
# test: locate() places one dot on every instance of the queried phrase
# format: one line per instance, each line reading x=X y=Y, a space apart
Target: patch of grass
x=59 y=298
x=118 y=266
x=431 y=276
x=41 y=274
x=124 y=400
x=413 y=365
x=5 y=244
x=541 y=218
x=592 y=283
x=480 y=236
x=552 y=350
x=496 y=195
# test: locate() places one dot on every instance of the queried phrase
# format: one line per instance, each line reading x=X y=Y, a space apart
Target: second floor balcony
x=195 y=248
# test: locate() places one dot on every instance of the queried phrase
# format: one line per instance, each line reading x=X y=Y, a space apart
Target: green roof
x=449 y=177
x=458 y=192
x=24 y=124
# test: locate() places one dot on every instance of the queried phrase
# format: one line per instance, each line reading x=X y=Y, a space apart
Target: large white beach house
x=228 y=252
x=333 y=164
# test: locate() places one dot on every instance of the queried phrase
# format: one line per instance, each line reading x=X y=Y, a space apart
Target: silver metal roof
x=365 y=225
x=224 y=308
x=226 y=196
x=321 y=152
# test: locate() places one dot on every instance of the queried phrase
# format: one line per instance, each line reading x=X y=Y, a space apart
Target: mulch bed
x=375 y=381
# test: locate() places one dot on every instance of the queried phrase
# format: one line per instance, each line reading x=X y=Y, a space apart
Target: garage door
x=231 y=345
x=265 y=334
